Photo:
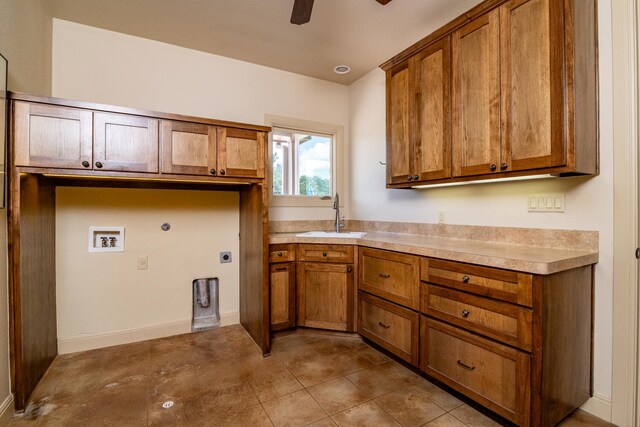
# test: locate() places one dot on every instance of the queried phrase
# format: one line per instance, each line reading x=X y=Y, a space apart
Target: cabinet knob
x=409 y=178
x=415 y=177
x=98 y=165
x=86 y=164
x=279 y=253
x=324 y=254
x=503 y=166
x=213 y=171
x=349 y=269
x=465 y=279
x=492 y=167
x=465 y=313
x=222 y=172
x=383 y=325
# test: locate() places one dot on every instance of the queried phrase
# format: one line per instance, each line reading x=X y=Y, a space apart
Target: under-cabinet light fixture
x=485 y=181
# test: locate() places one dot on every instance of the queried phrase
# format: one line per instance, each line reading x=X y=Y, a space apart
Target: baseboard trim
x=159 y=330
x=599 y=406
x=230 y=318
x=6 y=411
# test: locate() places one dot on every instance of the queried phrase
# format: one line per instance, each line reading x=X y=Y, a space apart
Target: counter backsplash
x=536 y=237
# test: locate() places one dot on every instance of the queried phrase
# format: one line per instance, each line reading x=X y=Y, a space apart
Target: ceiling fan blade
x=383 y=2
x=301 y=13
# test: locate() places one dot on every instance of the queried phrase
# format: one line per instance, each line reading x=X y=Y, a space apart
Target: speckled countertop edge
x=528 y=259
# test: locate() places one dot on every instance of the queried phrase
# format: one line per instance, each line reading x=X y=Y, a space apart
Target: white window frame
x=337 y=154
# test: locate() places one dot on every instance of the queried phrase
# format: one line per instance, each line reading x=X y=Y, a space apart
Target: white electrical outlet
x=441 y=217
x=143 y=263
x=553 y=202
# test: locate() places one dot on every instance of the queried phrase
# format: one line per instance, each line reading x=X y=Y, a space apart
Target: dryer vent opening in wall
x=206 y=311
x=106 y=239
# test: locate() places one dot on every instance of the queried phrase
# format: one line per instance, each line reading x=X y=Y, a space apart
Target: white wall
x=102 y=66
x=589 y=201
x=25 y=40
x=103 y=299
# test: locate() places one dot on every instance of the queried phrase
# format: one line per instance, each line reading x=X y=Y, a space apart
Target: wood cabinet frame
x=31 y=231
x=572 y=95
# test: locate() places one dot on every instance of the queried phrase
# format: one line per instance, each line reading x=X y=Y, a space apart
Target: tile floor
x=219 y=378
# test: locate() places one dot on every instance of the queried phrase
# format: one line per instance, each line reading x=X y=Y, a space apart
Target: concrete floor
x=219 y=378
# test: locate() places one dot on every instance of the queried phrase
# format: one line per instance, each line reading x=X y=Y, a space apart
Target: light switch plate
x=549 y=202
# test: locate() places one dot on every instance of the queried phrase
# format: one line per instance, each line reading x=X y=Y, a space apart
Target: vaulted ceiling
x=359 y=33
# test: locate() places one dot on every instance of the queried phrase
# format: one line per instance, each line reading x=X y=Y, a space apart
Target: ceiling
x=359 y=33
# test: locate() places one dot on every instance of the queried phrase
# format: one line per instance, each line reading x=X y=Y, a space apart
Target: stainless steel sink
x=342 y=234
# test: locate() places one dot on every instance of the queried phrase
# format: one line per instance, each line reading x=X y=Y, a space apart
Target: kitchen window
x=304 y=166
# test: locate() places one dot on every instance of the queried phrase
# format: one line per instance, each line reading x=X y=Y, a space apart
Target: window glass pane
x=302 y=163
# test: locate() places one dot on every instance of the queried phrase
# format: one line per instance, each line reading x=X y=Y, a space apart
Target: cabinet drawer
x=500 y=284
x=494 y=375
x=325 y=253
x=282 y=253
x=502 y=321
x=389 y=325
x=391 y=275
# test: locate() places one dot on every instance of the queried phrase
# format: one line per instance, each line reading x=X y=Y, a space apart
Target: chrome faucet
x=336 y=206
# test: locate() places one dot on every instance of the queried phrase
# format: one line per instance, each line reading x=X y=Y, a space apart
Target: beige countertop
x=529 y=259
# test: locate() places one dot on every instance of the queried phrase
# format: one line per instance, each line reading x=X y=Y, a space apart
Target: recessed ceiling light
x=341 y=69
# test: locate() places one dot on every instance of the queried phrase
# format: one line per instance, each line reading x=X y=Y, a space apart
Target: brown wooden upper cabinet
x=418 y=119
x=125 y=143
x=199 y=149
x=507 y=89
x=53 y=136
x=476 y=96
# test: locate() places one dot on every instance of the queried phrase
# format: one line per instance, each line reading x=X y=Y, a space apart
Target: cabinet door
x=476 y=96
x=51 y=136
x=431 y=77
x=532 y=86
x=188 y=148
x=125 y=143
x=325 y=296
x=399 y=144
x=283 y=295
x=241 y=153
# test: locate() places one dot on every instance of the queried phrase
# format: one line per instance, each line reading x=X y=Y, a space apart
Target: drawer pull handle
x=281 y=268
x=465 y=366
x=465 y=279
x=465 y=313
x=279 y=253
x=383 y=325
x=324 y=254
x=384 y=276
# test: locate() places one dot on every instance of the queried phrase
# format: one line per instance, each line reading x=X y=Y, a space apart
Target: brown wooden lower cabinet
x=492 y=374
x=389 y=325
x=325 y=295
x=530 y=364
x=282 y=286
x=282 y=277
